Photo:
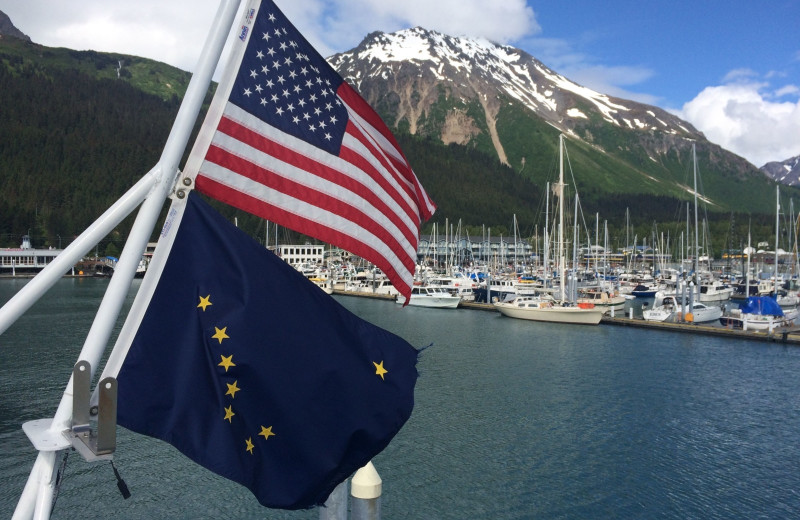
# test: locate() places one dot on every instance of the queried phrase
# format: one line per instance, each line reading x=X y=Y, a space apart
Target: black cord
x=59 y=479
x=123 y=487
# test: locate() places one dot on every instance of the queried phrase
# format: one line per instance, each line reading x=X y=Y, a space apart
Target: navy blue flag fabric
x=255 y=373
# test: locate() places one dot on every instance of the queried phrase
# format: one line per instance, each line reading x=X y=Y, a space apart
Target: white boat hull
x=436 y=302
x=703 y=315
x=554 y=313
x=431 y=297
x=756 y=322
x=657 y=314
x=716 y=296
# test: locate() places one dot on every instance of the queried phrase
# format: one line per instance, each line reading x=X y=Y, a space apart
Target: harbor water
x=513 y=420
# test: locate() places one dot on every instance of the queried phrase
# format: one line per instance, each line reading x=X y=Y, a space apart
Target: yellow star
x=226 y=362
x=266 y=432
x=379 y=370
x=250 y=445
x=229 y=414
x=205 y=302
x=232 y=388
x=220 y=334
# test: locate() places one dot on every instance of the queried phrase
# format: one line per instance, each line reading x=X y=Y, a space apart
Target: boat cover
x=762 y=305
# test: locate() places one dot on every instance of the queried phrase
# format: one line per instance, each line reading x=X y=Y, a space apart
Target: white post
x=160 y=179
x=366 y=488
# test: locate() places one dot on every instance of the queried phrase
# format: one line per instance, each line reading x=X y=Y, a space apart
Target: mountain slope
x=149 y=76
x=78 y=130
x=785 y=172
x=7 y=29
x=502 y=101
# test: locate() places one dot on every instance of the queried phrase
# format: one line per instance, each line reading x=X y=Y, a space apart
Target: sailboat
x=546 y=308
x=708 y=289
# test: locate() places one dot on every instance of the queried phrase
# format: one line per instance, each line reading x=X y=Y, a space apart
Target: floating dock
x=789 y=335
x=778 y=334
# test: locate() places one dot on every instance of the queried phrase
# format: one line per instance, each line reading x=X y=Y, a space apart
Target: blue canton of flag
x=255 y=373
x=283 y=80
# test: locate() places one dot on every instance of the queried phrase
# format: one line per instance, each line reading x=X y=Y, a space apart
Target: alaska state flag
x=255 y=373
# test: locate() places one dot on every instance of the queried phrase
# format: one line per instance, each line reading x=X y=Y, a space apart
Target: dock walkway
x=789 y=335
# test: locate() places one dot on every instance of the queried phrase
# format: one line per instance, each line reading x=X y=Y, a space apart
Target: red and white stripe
x=367 y=200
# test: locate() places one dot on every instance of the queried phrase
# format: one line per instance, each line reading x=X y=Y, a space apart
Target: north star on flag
x=287 y=139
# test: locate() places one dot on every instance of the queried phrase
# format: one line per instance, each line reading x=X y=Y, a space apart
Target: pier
x=789 y=335
x=778 y=334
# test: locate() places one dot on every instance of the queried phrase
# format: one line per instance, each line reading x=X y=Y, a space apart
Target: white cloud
x=560 y=55
x=788 y=90
x=502 y=21
x=748 y=119
x=611 y=80
x=342 y=24
x=172 y=32
x=743 y=74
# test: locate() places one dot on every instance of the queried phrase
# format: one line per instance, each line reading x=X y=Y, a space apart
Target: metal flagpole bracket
x=183 y=187
x=100 y=444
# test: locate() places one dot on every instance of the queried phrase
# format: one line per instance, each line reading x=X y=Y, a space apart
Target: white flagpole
x=36 y=499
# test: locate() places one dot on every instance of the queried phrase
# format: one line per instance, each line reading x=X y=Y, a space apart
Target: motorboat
x=702 y=313
x=715 y=291
x=423 y=296
x=644 y=291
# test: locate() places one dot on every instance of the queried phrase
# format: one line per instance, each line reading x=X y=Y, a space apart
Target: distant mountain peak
x=7 y=29
x=417 y=63
x=502 y=101
x=785 y=172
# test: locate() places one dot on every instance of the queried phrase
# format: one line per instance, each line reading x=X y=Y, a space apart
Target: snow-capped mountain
x=498 y=99
x=785 y=172
x=480 y=69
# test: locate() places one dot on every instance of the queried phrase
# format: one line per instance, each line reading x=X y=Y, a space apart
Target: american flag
x=289 y=140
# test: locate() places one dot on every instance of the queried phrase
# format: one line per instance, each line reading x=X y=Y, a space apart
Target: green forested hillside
x=70 y=145
x=74 y=136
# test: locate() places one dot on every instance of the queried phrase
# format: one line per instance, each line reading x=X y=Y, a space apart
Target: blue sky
x=731 y=68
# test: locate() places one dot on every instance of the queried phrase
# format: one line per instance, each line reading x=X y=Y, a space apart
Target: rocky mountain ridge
x=785 y=172
x=7 y=29
x=505 y=102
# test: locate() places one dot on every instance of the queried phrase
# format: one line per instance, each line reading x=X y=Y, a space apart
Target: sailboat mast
x=547 y=234
x=562 y=279
x=514 y=224
x=575 y=238
x=696 y=250
x=777 y=228
x=747 y=269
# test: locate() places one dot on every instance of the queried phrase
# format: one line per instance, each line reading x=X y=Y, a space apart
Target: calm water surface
x=513 y=420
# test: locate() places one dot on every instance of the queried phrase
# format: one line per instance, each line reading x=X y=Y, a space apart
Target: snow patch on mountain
x=466 y=62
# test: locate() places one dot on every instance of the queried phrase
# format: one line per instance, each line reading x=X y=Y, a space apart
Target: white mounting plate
x=42 y=438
